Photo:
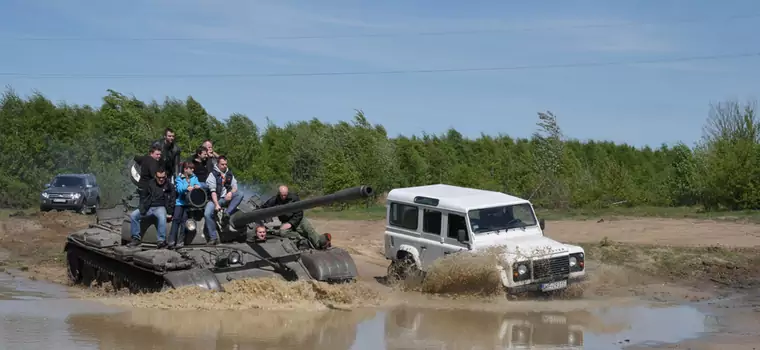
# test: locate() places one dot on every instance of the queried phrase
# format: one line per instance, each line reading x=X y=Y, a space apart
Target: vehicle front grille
x=59 y=195
x=556 y=266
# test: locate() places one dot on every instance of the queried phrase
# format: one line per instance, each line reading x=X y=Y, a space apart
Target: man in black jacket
x=294 y=224
x=156 y=199
x=170 y=153
x=149 y=164
x=202 y=164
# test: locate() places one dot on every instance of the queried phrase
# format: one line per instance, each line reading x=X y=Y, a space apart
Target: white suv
x=425 y=223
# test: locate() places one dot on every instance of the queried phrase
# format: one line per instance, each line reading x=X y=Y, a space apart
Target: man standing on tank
x=170 y=153
x=156 y=199
x=295 y=224
x=212 y=156
x=202 y=165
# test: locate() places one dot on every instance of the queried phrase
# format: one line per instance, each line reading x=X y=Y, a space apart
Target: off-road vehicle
x=425 y=223
x=78 y=192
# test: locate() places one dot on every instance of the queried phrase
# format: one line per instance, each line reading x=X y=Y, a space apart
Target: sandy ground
x=34 y=244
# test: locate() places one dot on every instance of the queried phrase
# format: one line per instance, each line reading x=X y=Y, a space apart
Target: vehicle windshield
x=67 y=181
x=502 y=218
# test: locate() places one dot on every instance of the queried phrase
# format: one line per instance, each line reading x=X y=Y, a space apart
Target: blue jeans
x=208 y=213
x=178 y=219
x=159 y=213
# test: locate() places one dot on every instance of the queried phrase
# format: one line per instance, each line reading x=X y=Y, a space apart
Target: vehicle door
x=453 y=223
x=89 y=190
x=432 y=245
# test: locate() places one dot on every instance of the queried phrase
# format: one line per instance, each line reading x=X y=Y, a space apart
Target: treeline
x=39 y=139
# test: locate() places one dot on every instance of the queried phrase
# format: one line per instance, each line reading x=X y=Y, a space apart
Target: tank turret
x=240 y=220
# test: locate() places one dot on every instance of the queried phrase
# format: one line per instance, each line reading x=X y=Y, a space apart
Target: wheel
x=402 y=269
x=74 y=268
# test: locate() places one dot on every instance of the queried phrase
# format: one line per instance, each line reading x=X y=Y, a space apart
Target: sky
x=258 y=58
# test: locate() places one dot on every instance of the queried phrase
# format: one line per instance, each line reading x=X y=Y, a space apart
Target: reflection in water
x=444 y=329
x=207 y=330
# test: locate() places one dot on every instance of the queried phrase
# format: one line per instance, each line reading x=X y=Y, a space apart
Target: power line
x=387 y=72
x=380 y=35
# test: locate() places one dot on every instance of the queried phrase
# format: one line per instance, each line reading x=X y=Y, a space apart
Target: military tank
x=99 y=253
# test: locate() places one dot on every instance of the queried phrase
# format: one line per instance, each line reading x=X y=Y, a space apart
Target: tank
x=99 y=253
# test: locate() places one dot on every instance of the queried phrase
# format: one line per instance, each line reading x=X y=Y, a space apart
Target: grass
x=377 y=212
x=5 y=213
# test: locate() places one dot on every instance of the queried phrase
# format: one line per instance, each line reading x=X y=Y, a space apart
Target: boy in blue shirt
x=184 y=183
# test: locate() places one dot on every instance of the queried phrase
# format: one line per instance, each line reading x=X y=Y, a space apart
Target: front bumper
x=536 y=286
x=61 y=203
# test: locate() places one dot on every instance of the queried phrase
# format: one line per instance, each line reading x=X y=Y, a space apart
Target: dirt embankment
x=625 y=256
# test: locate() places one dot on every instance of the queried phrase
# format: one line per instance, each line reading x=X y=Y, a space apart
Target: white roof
x=455 y=198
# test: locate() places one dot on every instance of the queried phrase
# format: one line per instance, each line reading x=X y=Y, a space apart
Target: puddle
x=18 y=288
x=34 y=315
x=402 y=327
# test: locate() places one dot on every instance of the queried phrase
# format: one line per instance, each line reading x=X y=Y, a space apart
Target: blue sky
x=635 y=103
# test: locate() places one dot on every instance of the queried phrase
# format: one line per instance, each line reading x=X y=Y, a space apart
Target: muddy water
x=37 y=315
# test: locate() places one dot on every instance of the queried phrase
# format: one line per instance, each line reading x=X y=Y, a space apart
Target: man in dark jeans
x=156 y=199
x=170 y=153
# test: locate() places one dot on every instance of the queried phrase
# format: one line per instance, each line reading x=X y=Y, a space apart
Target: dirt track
x=34 y=243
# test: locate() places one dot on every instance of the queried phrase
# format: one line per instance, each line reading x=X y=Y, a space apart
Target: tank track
x=87 y=267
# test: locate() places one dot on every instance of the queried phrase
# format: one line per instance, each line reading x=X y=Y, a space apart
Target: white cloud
x=246 y=22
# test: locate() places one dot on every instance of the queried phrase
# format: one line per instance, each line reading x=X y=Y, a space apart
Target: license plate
x=553 y=285
x=59 y=201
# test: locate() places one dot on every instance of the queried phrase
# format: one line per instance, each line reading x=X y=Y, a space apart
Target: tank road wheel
x=74 y=267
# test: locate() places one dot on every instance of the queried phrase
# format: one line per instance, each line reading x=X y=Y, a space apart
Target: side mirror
x=462 y=235
x=542 y=224
x=47 y=185
x=88 y=186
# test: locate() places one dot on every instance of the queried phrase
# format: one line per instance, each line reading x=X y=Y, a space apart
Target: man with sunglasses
x=157 y=199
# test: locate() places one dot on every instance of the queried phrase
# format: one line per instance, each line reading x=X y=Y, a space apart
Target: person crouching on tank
x=294 y=224
x=224 y=192
x=157 y=199
x=185 y=182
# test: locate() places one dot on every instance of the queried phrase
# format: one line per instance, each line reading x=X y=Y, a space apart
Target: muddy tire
x=402 y=269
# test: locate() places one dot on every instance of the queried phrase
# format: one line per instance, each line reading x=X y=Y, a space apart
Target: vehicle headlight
x=76 y=195
x=522 y=269
x=573 y=261
x=45 y=195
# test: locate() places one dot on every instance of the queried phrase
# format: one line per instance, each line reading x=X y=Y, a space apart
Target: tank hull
x=95 y=255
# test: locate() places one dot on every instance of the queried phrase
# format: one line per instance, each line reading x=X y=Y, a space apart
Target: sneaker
x=162 y=245
x=135 y=242
x=214 y=241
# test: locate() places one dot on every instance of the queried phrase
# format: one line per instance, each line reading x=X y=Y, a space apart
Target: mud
x=628 y=261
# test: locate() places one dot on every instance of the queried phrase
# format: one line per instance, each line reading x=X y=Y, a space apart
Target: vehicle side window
x=403 y=215
x=431 y=221
x=456 y=223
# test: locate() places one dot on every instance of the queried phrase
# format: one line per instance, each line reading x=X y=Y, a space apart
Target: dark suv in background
x=71 y=192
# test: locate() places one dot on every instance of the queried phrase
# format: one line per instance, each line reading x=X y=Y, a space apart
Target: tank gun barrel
x=241 y=219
